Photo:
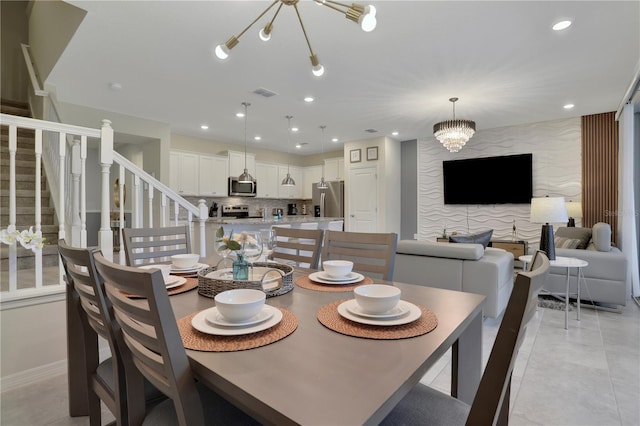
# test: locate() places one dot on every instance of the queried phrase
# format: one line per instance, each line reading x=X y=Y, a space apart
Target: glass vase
x=240 y=268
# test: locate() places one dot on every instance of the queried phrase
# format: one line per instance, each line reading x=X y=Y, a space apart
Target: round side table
x=568 y=263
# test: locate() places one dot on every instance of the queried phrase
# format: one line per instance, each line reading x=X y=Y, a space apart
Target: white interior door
x=363 y=199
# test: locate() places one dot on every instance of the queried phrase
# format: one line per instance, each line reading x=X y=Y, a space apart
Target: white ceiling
x=500 y=58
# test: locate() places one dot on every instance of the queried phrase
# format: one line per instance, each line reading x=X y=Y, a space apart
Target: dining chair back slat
x=152 y=245
x=123 y=394
x=372 y=253
x=298 y=246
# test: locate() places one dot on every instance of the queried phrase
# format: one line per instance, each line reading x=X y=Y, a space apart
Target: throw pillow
x=482 y=238
x=582 y=234
x=570 y=243
x=602 y=236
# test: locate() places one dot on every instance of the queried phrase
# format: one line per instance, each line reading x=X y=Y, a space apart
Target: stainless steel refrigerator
x=330 y=200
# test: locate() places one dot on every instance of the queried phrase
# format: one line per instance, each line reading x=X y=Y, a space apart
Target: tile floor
x=587 y=375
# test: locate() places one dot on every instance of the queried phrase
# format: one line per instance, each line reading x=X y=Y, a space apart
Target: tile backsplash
x=255 y=204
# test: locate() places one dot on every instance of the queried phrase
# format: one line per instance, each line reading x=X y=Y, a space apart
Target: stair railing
x=71 y=194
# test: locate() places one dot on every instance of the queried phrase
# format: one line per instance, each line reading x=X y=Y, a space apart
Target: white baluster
x=38 y=218
x=106 y=159
x=83 y=191
x=121 y=195
x=176 y=212
x=204 y=214
x=13 y=250
x=163 y=211
x=136 y=214
x=76 y=171
x=150 y=205
x=62 y=141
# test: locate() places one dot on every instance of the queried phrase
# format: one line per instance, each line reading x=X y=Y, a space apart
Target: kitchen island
x=256 y=224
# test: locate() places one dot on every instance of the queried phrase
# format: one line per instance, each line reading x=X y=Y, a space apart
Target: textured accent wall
x=600 y=170
x=557 y=165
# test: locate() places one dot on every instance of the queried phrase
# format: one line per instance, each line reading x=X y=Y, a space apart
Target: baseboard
x=37 y=374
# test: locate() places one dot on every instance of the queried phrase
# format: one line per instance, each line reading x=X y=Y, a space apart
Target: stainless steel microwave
x=242 y=189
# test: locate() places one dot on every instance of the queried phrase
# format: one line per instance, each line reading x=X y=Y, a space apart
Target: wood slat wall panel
x=600 y=170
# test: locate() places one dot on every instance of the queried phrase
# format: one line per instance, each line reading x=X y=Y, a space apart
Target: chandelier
x=365 y=16
x=454 y=134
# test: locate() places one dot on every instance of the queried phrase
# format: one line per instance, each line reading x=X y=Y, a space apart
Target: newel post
x=105 y=235
x=202 y=217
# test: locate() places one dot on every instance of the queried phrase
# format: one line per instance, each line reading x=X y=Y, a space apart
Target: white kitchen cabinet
x=183 y=173
x=267 y=180
x=236 y=163
x=290 y=191
x=311 y=175
x=213 y=176
x=334 y=169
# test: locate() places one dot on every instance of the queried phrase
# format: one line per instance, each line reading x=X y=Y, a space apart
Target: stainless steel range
x=237 y=211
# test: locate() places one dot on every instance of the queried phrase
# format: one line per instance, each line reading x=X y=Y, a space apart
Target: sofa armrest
x=460 y=251
x=611 y=265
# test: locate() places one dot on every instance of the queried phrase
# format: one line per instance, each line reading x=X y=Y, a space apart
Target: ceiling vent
x=264 y=92
x=371 y=130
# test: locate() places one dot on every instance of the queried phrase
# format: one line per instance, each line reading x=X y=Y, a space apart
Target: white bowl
x=166 y=269
x=376 y=298
x=240 y=304
x=184 y=261
x=337 y=268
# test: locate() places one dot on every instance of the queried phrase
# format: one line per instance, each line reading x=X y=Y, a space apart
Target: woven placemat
x=198 y=341
x=329 y=317
x=305 y=282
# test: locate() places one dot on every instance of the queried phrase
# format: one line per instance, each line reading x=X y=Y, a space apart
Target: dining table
x=317 y=376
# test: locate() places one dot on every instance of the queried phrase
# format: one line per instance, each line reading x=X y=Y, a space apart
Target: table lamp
x=574 y=210
x=545 y=210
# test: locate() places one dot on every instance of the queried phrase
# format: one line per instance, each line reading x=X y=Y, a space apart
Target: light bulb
x=317 y=70
x=222 y=52
x=264 y=36
x=368 y=22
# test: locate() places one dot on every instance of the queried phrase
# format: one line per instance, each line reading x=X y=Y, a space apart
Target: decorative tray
x=275 y=279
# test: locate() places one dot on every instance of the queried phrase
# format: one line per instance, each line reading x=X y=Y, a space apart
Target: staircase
x=25 y=193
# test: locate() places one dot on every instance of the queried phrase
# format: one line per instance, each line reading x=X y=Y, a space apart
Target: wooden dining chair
x=89 y=316
x=298 y=246
x=151 y=245
x=424 y=405
x=151 y=333
x=371 y=253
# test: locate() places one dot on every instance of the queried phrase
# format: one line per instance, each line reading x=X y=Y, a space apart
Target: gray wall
x=14 y=27
x=409 y=189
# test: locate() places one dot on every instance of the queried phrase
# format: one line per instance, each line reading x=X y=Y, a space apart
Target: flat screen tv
x=490 y=180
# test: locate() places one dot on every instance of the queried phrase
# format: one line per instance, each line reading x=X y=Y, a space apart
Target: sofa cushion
x=582 y=234
x=601 y=234
x=562 y=242
x=451 y=251
x=482 y=238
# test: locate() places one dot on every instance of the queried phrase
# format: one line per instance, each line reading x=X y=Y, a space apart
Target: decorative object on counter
x=322 y=184
x=545 y=210
x=245 y=177
x=574 y=211
x=213 y=210
x=454 y=134
x=364 y=16
x=514 y=233
x=304 y=206
x=276 y=280
x=288 y=180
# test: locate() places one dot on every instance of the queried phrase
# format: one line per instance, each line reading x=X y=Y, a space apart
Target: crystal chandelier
x=454 y=134
x=365 y=16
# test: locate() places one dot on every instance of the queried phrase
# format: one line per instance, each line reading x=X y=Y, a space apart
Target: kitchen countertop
x=270 y=220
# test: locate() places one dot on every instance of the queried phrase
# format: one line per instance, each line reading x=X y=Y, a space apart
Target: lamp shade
x=574 y=209
x=548 y=210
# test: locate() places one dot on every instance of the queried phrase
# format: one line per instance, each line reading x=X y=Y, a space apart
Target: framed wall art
x=355 y=155
x=372 y=153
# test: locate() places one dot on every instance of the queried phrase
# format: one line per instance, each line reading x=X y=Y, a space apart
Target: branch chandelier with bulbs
x=454 y=134
x=365 y=16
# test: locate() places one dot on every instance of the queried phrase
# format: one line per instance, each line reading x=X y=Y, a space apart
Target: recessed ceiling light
x=298 y=145
x=334 y=140
x=116 y=87
x=204 y=127
x=258 y=138
x=562 y=25
x=239 y=114
x=568 y=106
x=308 y=99
x=294 y=129
x=395 y=133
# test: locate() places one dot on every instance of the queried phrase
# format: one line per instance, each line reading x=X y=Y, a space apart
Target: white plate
x=398 y=311
x=187 y=270
x=174 y=281
x=214 y=317
x=352 y=275
x=200 y=323
x=317 y=276
x=414 y=314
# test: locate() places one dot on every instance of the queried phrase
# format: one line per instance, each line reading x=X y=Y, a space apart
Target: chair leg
x=503 y=417
x=95 y=410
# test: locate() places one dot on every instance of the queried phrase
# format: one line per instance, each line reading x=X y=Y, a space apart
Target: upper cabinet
x=214 y=172
x=311 y=175
x=183 y=172
x=236 y=163
x=267 y=180
x=334 y=169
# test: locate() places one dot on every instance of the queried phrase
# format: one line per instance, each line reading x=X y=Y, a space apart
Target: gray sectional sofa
x=606 y=275
x=462 y=267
